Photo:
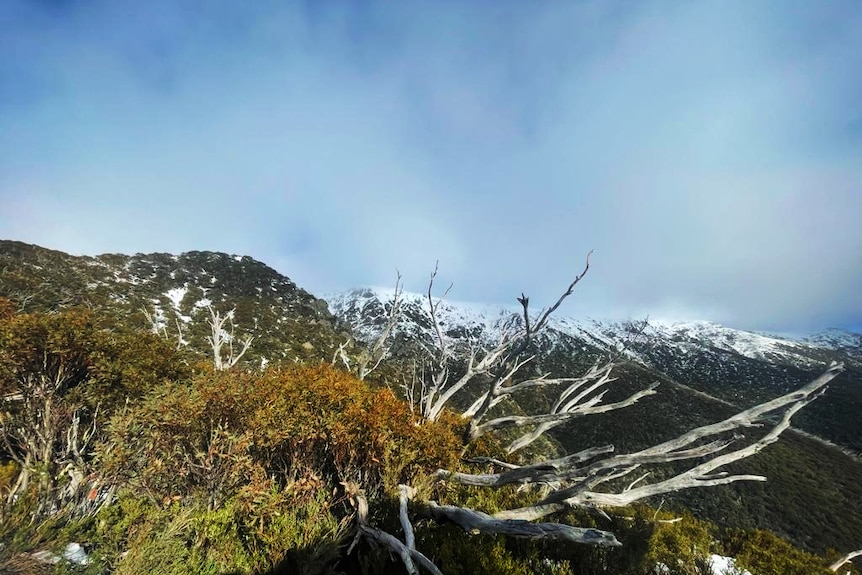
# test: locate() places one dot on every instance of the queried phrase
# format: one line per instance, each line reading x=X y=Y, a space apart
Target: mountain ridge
x=171 y=294
x=490 y=317
x=739 y=367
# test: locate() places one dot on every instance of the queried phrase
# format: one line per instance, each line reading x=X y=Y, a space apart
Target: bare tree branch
x=849 y=557
x=502 y=362
x=369 y=360
x=590 y=407
x=406 y=552
x=544 y=471
x=471 y=520
x=404 y=494
x=341 y=354
x=543 y=316
x=581 y=492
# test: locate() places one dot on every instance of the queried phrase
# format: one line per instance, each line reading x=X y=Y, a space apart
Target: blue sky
x=709 y=152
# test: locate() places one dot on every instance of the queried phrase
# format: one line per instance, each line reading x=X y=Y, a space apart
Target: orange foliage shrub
x=7 y=308
x=229 y=429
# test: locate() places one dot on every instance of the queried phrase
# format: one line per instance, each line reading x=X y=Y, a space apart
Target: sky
x=710 y=152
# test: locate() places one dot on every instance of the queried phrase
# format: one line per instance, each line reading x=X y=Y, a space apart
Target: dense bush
x=256 y=462
x=61 y=376
x=224 y=430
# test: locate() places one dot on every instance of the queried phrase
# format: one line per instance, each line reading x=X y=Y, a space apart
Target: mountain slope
x=706 y=373
x=740 y=367
x=171 y=294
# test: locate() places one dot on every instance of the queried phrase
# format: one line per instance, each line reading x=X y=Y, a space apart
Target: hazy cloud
x=711 y=153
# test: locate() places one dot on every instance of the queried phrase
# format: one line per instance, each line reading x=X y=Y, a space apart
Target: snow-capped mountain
x=806 y=351
x=734 y=366
x=366 y=311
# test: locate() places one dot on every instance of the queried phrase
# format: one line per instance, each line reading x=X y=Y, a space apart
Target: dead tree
x=500 y=363
x=378 y=350
x=43 y=360
x=158 y=326
x=406 y=551
x=594 y=478
x=590 y=479
x=221 y=336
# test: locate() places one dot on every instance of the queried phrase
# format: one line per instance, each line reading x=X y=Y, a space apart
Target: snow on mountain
x=763 y=347
x=176 y=295
x=836 y=339
x=366 y=311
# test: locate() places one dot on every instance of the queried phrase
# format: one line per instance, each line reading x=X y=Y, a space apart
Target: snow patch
x=73 y=553
x=722 y=565
x=718 y=565
x=176 y=295
x=835 y=337
x=759 y=346
x=158 y=320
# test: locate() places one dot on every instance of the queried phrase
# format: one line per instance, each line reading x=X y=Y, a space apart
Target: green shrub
x=764 y=553
x=683 y=546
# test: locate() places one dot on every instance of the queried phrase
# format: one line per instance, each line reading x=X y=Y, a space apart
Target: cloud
x=709 y=153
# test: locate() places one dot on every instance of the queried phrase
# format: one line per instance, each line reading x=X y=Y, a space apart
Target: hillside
x=707 y=372
x=738 y=367
x=171 y=293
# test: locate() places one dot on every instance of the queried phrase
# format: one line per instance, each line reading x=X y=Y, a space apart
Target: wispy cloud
x=711 y=153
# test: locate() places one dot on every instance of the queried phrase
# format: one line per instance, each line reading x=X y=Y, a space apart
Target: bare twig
x=372 y=358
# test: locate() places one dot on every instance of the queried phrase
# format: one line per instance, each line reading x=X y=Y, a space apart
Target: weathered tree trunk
x=849 y=557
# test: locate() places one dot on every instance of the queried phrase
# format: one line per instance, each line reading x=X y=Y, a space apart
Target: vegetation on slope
x=182 y=469
x=157 y=462
x=171 y=294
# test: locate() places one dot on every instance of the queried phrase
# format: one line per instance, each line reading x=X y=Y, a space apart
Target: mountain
x=706 y=372
x=365 y=310
x=172 y=294
x=739 y=367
